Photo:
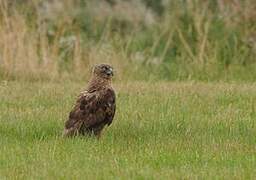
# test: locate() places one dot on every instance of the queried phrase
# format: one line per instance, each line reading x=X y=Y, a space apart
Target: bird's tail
x=69 y=133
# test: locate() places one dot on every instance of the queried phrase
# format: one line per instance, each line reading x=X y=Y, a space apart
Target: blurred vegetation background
x=208 y=40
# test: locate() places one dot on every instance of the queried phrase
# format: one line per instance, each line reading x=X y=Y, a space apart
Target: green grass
x=165 y=130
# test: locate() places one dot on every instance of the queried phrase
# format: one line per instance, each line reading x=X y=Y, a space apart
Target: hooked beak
x=110 y=72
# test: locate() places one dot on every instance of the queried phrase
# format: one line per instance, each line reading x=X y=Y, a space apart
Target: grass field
x=165 y=130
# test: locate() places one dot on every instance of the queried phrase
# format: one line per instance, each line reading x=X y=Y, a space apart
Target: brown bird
x=95 y=106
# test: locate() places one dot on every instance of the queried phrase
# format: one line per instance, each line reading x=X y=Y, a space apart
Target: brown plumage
x=95 y=106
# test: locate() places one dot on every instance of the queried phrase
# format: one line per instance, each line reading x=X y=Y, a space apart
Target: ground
x=182 y=130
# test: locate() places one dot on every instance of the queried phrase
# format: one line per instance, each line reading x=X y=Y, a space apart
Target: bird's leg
x=98 y=135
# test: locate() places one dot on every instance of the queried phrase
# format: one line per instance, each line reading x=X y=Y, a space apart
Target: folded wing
x=91 y=111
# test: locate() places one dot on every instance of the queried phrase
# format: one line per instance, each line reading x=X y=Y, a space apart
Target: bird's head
x=103 y=71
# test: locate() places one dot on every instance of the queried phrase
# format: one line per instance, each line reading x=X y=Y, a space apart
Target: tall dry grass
x=34 y=50
x=188 y=40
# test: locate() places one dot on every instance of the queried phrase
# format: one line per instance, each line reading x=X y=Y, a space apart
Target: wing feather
x=92 y=109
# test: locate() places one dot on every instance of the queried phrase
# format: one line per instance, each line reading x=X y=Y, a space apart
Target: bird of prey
x=95 y=107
